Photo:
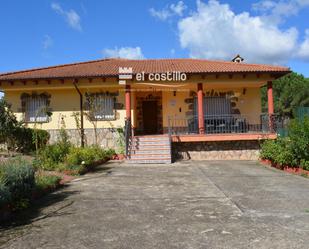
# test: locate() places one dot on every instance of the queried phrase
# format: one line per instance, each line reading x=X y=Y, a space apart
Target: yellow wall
x=65 y=100
x=63 y=103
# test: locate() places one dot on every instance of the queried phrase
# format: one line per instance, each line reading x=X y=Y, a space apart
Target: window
x=102 y=106
x=214 y=106
x=217 y=106
x=36 y=109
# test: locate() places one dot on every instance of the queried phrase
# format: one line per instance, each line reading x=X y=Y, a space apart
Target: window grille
x=214 y=106
x=102 y=107
x=36 y=109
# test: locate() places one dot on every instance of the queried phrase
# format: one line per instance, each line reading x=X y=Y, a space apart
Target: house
x=201 y=109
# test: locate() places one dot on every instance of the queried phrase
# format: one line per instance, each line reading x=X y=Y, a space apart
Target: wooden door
x=150 y=117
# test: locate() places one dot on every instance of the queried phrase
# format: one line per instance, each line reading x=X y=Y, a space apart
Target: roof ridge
x=204 y=60
x=249 y=64
x=242 y=63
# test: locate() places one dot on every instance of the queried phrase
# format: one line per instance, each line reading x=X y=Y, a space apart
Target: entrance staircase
x=150 y=149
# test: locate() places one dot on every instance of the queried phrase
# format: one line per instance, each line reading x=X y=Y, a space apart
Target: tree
x=8 y=122
x=290 y=92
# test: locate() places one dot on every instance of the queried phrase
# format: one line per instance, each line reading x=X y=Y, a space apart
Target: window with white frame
x=36 y=109
x=101 y=106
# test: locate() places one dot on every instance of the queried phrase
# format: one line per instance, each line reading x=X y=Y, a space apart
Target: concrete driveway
x=230 y=204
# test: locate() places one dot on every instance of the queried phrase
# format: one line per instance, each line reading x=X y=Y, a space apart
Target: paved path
x=184 y=205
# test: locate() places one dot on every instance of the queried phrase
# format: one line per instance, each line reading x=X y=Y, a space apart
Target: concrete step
x=150 y=156
x=150 y=149
x=160 y=138
x=150 y=161
x=152 y=137
x=158 y=151
x=158 y=143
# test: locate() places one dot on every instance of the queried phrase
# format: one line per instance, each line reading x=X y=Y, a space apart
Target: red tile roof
x=110 y=67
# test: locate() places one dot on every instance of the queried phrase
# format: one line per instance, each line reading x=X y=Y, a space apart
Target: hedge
x=292 y=150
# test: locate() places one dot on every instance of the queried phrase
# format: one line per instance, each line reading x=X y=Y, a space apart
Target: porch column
x=128 y=101
x=200 y=100
x=270 y=98
x=270 y=102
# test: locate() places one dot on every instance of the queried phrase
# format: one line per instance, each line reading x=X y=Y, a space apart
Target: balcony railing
x=233 y=123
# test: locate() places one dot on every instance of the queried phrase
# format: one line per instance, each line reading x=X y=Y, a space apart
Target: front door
x=150 y=117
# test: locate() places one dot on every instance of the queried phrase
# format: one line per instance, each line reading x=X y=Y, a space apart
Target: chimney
x=238 y=59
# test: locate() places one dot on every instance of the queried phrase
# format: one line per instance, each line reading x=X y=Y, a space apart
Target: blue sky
x=42 y=33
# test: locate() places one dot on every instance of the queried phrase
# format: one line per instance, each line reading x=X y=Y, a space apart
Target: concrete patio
x=219 y=204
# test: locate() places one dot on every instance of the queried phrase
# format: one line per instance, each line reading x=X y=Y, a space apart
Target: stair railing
x=170 y=134
x=129 y=133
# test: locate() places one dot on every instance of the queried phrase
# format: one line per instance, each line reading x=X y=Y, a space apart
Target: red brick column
x=200 y=100
x=270 y=102
x=128 y=101
x=270 y=98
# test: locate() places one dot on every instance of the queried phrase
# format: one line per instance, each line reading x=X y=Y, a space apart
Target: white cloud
x=71 y=16
x=160 y=14
x=56 y=7
x=169 y=11
x=178 y=8
x=47 y=42
x=277 y=11
x=124 y=52
x=303 y=52
x=214 y=31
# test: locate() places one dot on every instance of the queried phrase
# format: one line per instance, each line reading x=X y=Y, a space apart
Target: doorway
x=150 y=116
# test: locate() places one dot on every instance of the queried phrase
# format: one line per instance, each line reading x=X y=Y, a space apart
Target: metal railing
x=128 y=132
x=231 y=123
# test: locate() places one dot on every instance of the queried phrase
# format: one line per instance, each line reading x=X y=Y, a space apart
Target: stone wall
x=225 y=150
x=107 y=138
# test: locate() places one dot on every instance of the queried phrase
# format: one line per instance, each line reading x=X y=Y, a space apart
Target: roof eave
x=278 y=74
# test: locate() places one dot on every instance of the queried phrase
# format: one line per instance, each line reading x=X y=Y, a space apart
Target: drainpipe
x=82 y=131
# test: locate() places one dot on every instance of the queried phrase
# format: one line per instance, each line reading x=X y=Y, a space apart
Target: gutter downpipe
x=82 y=131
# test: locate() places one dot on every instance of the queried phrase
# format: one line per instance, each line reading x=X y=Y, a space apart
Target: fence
x=233 y=123
x=302 y=112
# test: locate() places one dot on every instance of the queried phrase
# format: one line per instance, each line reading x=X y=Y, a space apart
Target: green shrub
x=45 y=182
x=86 y=155
x=15 y=135
x=52 y=155
x=109 y=153
x=269 y=149
x=75 y=156
x=299 y=137
x=8 y=122
x=284 y=155
x=80 y=158
x=5 y=195
x=121 y=140
x=72 y=169
x=25 y=139
x=292 y=151
x=278 y=151
x=40 y=137
x=18 y=177
x=304 y=164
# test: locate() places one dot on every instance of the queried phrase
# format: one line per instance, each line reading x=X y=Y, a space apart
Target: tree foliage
x=290 y=92
x=15 y=135
x=8 y=121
